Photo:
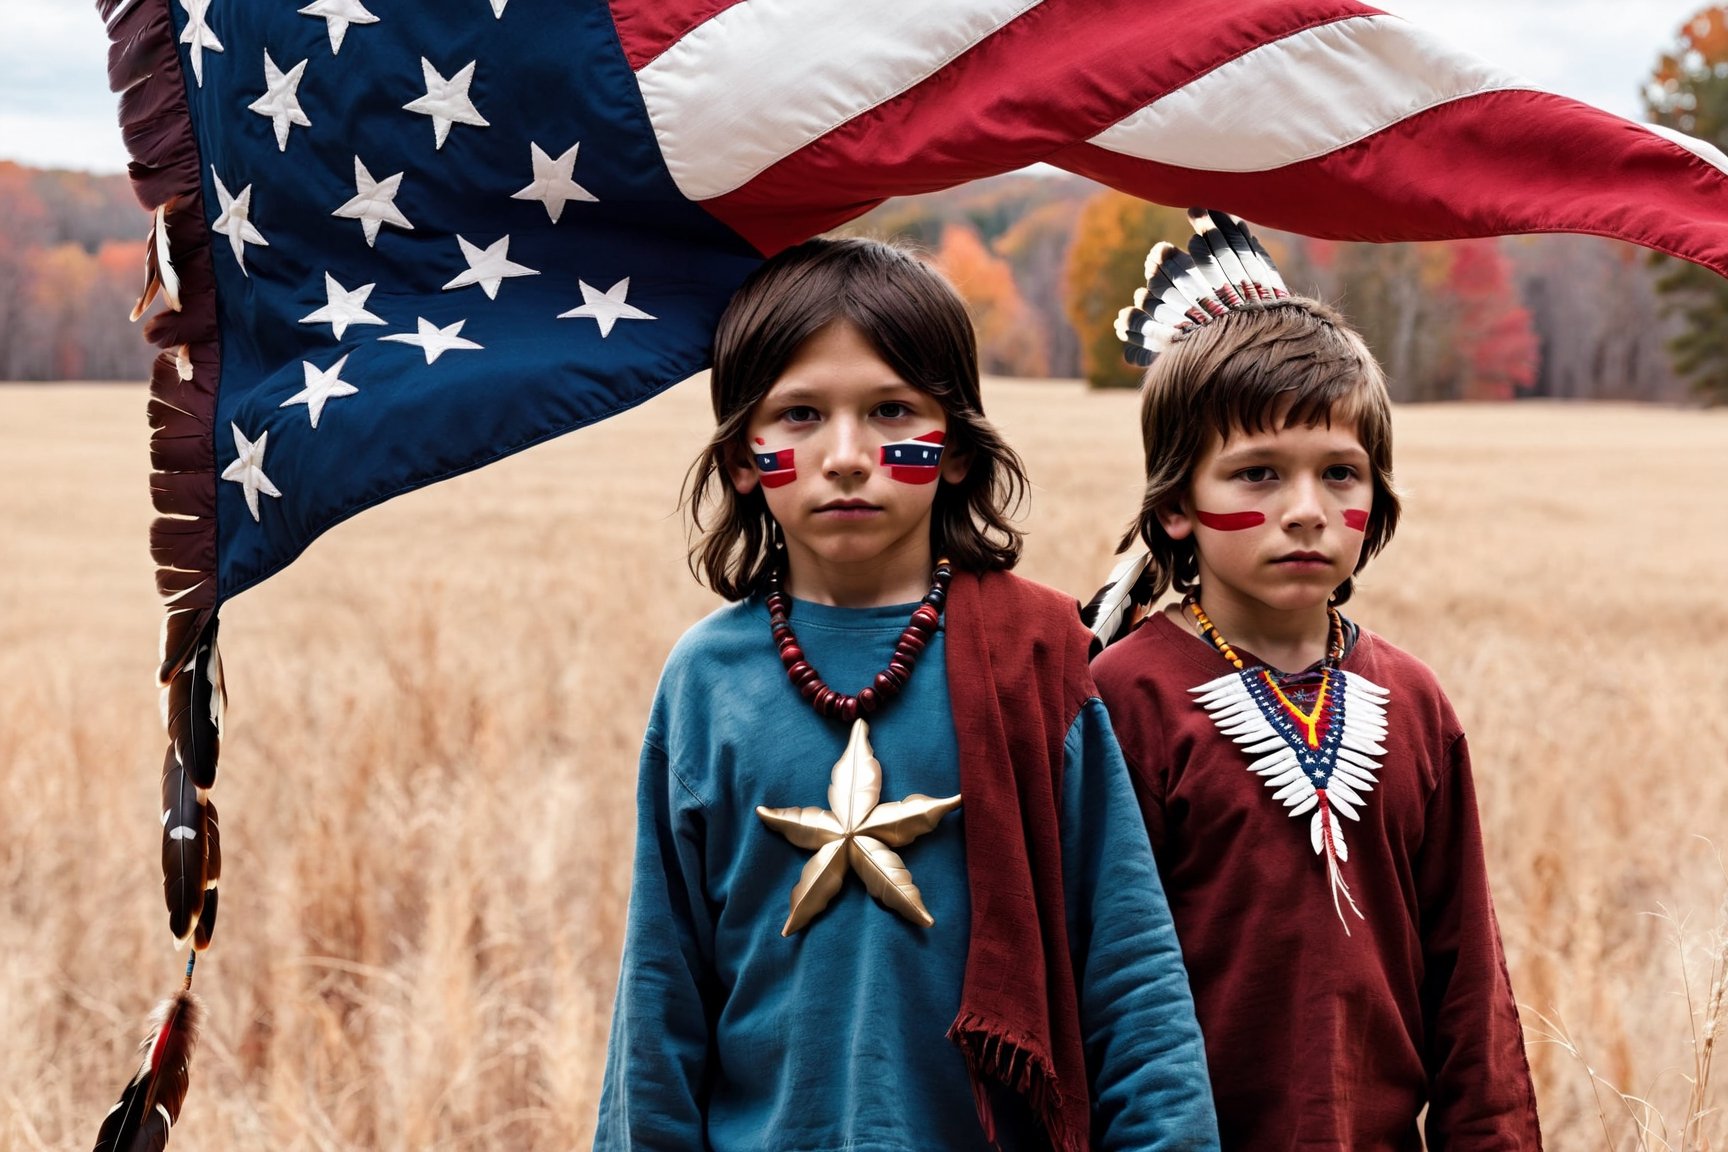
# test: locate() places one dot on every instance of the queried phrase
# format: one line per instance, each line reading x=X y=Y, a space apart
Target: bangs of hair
x=918 y=325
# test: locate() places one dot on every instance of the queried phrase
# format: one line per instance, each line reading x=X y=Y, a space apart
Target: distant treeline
x=1044 y=262
x=71 y=267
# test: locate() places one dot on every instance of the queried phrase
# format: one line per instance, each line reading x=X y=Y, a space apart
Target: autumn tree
x=1106 y=263
x=23 y=225
x=1600 y=331
x=1010 y=339
x=1036 y=248
x=1688 y=91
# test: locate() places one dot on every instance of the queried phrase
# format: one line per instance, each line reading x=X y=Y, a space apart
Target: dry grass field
x=426 y=788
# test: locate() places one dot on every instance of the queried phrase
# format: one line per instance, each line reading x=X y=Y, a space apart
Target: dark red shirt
x=1317 y=1038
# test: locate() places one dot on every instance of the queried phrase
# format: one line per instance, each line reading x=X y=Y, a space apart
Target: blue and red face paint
x=915 y=461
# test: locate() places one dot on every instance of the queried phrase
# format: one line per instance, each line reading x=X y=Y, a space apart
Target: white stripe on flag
x=1304 y=96
x=764 y=78
x=1702 y=149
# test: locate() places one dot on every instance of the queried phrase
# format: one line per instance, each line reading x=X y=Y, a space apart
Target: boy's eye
x=1258 y=474
x=1340 y=473
x=893 y=410
x=799 y=414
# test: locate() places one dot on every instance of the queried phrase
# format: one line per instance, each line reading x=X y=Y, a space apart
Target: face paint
x=1356 y=518
x=776 y=468
x=915 y=461
x=1231 y=521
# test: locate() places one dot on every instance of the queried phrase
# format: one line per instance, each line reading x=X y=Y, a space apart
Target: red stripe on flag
x=1050 y=77
x=1490 y=164
x=646 y=30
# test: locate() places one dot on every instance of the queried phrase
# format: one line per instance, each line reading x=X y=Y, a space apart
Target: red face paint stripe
x=1231 y=521
x=1356 y=518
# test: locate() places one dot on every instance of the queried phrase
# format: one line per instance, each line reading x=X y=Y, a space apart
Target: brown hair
x=1296 y=361
x=917 y=323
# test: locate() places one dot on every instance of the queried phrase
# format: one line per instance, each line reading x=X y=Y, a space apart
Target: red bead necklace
x=888 y=683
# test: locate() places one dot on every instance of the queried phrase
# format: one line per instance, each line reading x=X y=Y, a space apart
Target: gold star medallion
x=860 y=832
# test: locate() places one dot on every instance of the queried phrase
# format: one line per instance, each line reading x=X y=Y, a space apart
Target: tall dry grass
x=426 y=789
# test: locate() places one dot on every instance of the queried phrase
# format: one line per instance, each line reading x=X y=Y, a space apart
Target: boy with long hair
x=1306 y=785
x=890 y=890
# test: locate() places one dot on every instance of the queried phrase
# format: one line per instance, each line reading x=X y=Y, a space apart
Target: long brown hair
x=1293 y=362
x=917 y=323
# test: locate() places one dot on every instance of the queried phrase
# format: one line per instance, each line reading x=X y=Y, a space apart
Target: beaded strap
x=889 y=682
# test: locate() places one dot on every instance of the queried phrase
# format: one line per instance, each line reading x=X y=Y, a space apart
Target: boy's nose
x=848 y=449
x=1305 y=508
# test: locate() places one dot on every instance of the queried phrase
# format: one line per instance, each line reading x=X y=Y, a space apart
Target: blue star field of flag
x=442 y=232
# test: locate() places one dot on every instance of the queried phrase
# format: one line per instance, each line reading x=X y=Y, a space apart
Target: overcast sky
x=56 y=110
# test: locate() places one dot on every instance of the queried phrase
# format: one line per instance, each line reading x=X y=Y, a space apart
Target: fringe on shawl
x=993 y=1057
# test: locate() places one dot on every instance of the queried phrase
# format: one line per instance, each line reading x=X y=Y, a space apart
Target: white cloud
x=1598 y=51
x=55 y=107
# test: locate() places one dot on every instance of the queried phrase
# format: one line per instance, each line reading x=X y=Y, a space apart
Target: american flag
x=441 y=233
x=402 y=240
x=400 y=244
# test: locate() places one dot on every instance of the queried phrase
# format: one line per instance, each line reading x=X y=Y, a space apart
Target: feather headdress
x=1224 y=269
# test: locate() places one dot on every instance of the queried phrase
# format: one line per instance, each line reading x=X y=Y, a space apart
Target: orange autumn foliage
x=1010 y=340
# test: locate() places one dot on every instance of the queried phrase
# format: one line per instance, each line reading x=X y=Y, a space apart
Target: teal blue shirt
x=728 y=1036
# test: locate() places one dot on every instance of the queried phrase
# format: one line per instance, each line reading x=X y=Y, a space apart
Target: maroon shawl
x=1017 y=678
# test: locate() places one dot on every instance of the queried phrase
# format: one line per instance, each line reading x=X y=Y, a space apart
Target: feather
x=1235 y=236
x=1166 y=268
x=195 y=700
x=150 y=1105
x=165 y=259
x=1261 y=272
x=184 y=876
x=192 y=706
x=1229 y=268
x=206 y=926
x=1273 y=281
x=1110 y=613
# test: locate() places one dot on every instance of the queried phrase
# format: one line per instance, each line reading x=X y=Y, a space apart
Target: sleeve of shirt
x=654 y=1093
x=1480 y=1093
x=1144 y=1053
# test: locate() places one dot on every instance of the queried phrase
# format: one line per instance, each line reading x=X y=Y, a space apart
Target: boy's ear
x=955 y=465
x=742 y=470
x=1175 y=521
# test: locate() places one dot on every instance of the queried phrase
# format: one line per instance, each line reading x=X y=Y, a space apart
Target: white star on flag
x=198 y=35
x=446 y=101
x=234 y=221
x=248 y=469
x=337 y=15
x=606 y=308
x=374 y=203
x=321 y=384
x=498 y=9
x=553 y=181
x=433 y=340
x=343 y=307
x=281 y=100
x=488 y=268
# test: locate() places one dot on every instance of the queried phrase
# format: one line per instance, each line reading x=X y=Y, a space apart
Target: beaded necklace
x=1320 y=758
x=888 y=683
x=857 y=832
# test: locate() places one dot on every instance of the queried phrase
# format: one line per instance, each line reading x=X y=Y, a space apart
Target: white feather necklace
x=1320 y=760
